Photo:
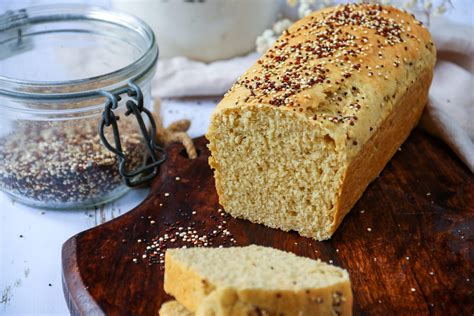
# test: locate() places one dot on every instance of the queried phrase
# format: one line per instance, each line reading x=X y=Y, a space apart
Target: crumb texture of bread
x=302 y=133
x=255 y=280
x=173 y=308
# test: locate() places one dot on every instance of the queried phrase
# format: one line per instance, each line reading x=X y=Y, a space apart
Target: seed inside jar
x=61 y=163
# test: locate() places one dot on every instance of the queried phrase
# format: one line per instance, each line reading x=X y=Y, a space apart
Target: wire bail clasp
x=109 y=119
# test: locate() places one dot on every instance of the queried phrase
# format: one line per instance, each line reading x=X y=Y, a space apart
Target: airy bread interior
x=279 y=169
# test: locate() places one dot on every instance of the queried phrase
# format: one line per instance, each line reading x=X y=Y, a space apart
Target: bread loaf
x=299 y=137
x=255 y=280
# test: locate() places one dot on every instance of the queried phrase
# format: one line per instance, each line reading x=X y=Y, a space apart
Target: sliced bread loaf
x=255 y=280
x=300 y=136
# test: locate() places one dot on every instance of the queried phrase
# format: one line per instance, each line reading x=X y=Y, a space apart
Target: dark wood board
x=407 y=243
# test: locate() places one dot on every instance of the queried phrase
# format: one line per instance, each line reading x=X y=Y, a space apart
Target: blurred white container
x=204 y=30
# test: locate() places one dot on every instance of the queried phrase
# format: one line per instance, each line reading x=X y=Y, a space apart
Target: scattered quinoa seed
x=176 y=234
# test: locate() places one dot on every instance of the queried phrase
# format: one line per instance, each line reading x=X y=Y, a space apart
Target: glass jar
x=60 y=67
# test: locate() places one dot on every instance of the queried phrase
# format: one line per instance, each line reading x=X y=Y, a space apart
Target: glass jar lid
x=70 y=49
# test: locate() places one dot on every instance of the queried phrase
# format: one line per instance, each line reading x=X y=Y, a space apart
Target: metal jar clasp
x=109 y=119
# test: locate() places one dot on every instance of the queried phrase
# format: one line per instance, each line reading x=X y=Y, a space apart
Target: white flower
x=428 y=5
x=268 y=33
x=280 y=26
x=304 y=10
x=292 y=3
x=265 y=41
x=441 y=9
x=410 y=4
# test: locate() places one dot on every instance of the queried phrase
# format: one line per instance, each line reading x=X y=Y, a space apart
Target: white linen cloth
x=182 y=77
x=450 y=110
x=449 y=114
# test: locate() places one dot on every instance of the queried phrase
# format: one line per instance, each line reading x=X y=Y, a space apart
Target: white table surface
x=30 y=266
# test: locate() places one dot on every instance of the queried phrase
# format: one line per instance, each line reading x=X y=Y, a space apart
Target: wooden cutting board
x=407 y=243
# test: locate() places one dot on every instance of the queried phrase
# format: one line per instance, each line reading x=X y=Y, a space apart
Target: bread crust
x=232 y=302
x=379 y=149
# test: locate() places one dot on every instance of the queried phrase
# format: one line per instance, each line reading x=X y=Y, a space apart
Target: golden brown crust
x=342 y=68
x=331 y=300
x=380 y=148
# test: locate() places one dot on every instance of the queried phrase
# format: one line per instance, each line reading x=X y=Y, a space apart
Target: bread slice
x=300 y=136
x=255 y=280
x=173 y=308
